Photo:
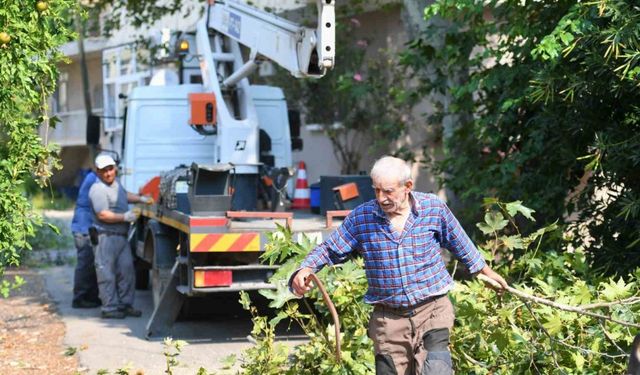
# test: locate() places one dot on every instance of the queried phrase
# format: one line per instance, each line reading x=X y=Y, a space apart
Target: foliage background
x=27 y=78
x=542 y=102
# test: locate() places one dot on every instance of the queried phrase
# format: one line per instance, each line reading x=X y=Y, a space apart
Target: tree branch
x=559 y=306
x=611 y=340
x=597 y=305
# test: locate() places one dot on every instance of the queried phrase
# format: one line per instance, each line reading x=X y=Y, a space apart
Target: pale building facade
x=116 y=65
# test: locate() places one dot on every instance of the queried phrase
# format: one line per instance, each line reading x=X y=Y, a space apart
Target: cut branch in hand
x=559 y=306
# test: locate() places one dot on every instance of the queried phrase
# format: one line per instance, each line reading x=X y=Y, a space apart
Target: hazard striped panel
x=212 y=242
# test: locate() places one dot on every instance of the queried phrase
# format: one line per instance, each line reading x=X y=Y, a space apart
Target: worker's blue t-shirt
x=83 y=214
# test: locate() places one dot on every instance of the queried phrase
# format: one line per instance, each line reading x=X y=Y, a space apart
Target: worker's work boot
x=130 y=311
x=82 y=304
x=117 y=314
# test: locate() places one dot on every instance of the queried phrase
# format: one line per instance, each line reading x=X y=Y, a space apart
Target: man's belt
x=410 y=310
x=111 y=233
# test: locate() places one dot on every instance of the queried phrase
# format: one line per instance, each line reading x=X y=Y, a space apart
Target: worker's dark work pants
x=116 y=275
x=413 y=341
x=85 y=284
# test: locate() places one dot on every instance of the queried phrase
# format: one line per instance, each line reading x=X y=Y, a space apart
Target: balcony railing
x=72 y=128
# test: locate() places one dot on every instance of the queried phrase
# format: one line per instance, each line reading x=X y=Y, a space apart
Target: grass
x=48 y=201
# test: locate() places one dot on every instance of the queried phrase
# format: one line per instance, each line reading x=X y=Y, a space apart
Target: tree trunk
x=86 y=90
x=413 y=16
x=84 y=71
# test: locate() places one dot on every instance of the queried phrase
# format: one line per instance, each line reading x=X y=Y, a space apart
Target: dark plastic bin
x=315 y=197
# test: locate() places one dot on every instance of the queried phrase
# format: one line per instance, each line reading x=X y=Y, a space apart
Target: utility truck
x=198 y=150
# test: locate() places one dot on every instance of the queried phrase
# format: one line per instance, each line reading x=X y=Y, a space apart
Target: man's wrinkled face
x=391 y=194
x=107 y=174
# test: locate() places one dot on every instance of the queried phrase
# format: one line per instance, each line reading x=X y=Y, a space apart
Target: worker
x=113 y=259
x=400 y=235
x=85 y=285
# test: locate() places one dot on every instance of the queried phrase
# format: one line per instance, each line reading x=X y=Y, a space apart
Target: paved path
x=112 y=344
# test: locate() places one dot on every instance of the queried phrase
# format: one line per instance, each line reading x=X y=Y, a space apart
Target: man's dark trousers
x=85 y=284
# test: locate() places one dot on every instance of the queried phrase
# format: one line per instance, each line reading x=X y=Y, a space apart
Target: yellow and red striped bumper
x=220 y=242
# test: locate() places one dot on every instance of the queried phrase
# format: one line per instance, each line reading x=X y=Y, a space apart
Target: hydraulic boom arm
x=303 y=51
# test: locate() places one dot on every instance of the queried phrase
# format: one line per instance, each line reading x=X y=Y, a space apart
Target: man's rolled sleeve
x=456 y=240
x=335 y=249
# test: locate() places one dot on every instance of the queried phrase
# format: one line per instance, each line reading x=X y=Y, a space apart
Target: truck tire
x=163 y=247
x=142 y=274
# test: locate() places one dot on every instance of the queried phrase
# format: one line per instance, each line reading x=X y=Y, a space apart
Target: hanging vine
x=30 y=34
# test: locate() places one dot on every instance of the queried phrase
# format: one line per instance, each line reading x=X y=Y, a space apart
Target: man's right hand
x=299 y=284
x=146 y=200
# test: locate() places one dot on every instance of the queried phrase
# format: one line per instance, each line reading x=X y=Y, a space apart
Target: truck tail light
x=211 y=278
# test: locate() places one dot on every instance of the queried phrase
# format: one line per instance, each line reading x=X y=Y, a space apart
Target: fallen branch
x=332 y=309
x=555 y=305
x=598 y=305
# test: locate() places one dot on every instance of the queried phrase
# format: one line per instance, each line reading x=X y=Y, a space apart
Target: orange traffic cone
x=302 y=194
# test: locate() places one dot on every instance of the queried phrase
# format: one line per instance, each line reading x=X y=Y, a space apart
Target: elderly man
x=113 y=259
x=399 y=235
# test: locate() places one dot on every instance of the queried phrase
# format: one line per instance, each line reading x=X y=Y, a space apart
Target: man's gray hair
x=390 y=166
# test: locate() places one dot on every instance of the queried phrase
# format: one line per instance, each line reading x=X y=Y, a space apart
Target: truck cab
x=158 y=138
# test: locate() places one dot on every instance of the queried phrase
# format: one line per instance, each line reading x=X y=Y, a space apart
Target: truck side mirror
x=296 y=144
x=294 y=123
x=93 y=130
x=294 y=130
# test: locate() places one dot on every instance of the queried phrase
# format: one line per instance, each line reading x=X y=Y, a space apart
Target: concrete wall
x=386 y=30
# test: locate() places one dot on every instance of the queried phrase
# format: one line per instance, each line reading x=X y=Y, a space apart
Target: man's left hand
x=493 y=275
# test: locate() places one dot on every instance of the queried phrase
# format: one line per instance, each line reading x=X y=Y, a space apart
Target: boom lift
x=303 y=51
x=187 y=243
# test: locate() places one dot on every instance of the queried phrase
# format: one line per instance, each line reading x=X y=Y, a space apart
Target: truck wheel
x=142 y=274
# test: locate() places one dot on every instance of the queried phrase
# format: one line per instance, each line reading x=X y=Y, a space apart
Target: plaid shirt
x=402 y=271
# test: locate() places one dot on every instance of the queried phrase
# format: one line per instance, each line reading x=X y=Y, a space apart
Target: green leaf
x=501 y=339
x=484 y=228
x=516 y=206
x=578 y=360
x=279 y=296
x=616 y=290
x=244 y=300
x=53 y=228
x=278 y=318
x=489 y=201
x=553 y=325
x=512 y=242
x=228 y=362
x=581 y=293
x=495 y=220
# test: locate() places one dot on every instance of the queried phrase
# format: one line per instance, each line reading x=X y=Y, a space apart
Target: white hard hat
x=104 y=160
